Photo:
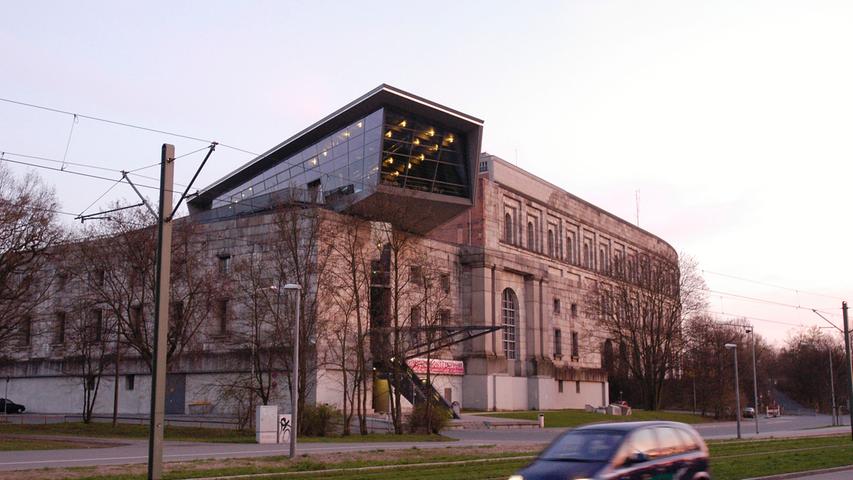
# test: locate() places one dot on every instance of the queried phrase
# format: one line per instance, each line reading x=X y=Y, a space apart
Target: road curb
x=782 y=476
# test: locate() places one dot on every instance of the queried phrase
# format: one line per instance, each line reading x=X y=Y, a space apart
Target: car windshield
x=584 y=446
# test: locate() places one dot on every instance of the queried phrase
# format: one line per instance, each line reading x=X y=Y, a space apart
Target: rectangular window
x=97 y=325
x=222 y=316
x=444 y=317
x=556 y=305
x=448 y=395
x=129 y=382
x=484 y=166
x=136 y=318
x=59 y=336
x=26 y=330
x=415 y=323
x=224 y=263
x=575 y=346
x=90 y=383
x=416 y=275
x=578 y=387
x=558 y=343
x=560 y=386
x=574 y=309
x=445 y=282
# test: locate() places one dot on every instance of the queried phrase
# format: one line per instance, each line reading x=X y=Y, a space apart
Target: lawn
x=193 y=434
x=574 y=418
x=16 y=444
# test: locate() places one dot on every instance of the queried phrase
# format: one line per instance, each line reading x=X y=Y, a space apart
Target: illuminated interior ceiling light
x=434 y=148
x=431 y=132
x=389 y=161
x=359 y=124
x=395 y=173
x=421 y=157
x=388 y=134
x=403 y=124
x=409 y=166
x=325 y=153
x=314 y=161
x=346 y=134
x=449 y=138
x=416 y=141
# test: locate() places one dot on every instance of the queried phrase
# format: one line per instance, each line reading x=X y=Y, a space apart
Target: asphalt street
x=135 y=451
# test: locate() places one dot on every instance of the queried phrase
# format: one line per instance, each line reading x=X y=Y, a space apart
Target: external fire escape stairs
x=412 y=387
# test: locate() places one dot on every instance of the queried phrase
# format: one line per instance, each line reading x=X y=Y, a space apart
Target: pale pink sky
x=732 y=118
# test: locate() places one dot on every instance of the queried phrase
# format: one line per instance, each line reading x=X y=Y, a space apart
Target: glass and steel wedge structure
x=389 y=156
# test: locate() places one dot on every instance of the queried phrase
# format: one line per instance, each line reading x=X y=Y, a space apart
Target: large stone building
x=513 y=254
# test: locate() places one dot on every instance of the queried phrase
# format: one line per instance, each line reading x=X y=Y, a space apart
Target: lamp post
x=733 y=347
x=751 y=331
x=294 y=374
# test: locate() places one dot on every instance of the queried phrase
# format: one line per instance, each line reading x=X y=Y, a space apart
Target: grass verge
x=18 y=444
x=193 y=434
x=574 y=418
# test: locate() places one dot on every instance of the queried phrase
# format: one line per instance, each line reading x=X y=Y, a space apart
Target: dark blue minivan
x=623 y=451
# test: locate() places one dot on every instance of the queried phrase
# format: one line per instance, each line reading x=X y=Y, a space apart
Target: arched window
x=510 y=320
x=550 y=243
x=587 y=258
x=508 y=228
x=602 y=260
x=531 y=236
x=570 y=250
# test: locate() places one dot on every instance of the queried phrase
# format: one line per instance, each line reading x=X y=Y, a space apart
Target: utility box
x=266 y=424
x=284 y=428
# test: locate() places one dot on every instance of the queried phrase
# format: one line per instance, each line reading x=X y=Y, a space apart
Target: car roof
x=629 y=426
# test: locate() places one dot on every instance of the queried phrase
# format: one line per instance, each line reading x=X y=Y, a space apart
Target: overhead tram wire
x=766 y=301
x=85 y=165
x=758 y=319
x=124 y=124
x=97 y=177
x=758 y=282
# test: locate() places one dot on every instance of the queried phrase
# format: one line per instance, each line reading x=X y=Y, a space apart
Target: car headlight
x=516 y=477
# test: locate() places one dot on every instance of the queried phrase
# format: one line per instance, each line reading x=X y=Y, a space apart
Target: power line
x=771 y=302
x=757 y=282
x=123 y=124
x=85 y=165
x=758 y=319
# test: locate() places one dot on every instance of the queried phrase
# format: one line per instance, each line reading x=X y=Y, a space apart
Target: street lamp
x=294 y=374
x=751 y=331
x=733 y=347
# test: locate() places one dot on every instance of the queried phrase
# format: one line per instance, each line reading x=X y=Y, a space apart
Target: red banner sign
x=437 y=366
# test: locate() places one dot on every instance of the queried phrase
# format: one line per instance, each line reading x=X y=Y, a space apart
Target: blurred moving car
x=11 y=407
x=624 y=451
x=748 y=412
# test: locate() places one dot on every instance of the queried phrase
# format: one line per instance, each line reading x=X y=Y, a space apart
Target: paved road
x=135 y=451
x=836 y=475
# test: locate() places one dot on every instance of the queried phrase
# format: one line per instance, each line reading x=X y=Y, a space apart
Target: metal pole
x=849 y=368
x=6 y=398
x=737 y=393
x=294 y=400
x=161 y=314
x=832 y=386
x=754 y=381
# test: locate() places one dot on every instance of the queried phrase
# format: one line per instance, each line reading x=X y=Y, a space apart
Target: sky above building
x=722 y=127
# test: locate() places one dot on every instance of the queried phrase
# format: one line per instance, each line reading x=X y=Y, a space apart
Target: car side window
x=643 y=441
x=670 y=443
x=687 y=440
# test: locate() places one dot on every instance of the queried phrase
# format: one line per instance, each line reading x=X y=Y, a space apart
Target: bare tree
x=347 y=335
x=642 y=310
x=299 y=253
x=29 y=235
x=87 y=350
x=118 y=258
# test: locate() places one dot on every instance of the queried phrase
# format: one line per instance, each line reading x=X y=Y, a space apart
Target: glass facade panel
x=349 y=156
x=420 y=156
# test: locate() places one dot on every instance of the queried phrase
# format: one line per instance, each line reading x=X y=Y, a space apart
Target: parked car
x=748 y=412
x=629 y=450
x=10 y=406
